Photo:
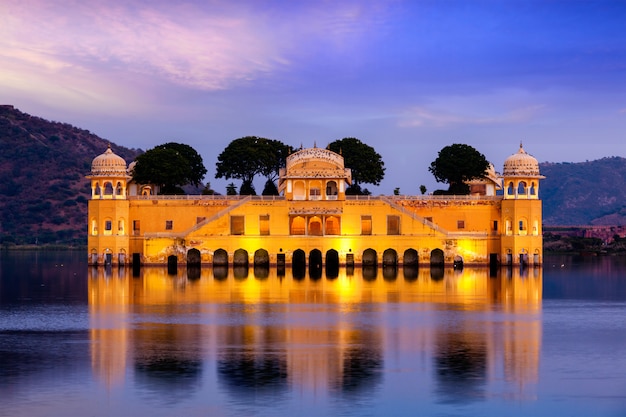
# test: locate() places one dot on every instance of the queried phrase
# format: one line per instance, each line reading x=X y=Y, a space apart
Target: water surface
x=76 y=340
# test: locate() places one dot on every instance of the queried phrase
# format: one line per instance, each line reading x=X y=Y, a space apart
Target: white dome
x=108 y=164
x=521 y=164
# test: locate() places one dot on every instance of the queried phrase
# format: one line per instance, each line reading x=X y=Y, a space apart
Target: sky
x=405 y=77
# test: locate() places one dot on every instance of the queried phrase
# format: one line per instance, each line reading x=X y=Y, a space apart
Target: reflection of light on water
x=331 y=335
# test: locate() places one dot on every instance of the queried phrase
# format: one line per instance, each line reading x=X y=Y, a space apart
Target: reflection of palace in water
x=329 y=335
x=313 y=222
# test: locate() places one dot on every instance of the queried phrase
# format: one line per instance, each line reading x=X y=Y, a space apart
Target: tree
x=170 y=166
x=231 y=189
x=366 y=164
x=248 y=156
x=456 y=165
x=423 y=189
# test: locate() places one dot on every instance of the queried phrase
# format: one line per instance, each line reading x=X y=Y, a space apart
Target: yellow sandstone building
x=313 y=223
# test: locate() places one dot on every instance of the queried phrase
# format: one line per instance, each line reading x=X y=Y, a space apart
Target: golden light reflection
x=326 y=347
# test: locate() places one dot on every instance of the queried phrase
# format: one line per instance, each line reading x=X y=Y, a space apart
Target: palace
x=313 y=222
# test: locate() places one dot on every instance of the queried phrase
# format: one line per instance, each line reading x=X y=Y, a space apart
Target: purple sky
x=406 y=77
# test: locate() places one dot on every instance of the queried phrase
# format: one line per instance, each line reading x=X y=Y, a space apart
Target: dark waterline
x=76 y=340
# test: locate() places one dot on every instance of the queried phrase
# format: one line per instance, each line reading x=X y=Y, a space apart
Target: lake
x=83 y=341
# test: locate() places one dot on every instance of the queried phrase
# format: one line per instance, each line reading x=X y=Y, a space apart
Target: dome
x=108 y=164
x=521 y=164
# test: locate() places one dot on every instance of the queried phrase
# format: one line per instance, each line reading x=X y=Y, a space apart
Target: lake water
x=82 y=341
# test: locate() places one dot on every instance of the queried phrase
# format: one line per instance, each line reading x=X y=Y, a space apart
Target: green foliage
x=366 y=164
x=270 y=188
x=456 y=164
x=248 y=156
x=231 y=189
x=423 y=189
x=170 y=166
x=247 y=188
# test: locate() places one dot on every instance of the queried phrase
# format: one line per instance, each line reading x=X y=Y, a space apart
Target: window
x=200 y=219
x=366 y=225
x=120 y=227
x=315 y=194
x=460 y=224
x=332 y=225
x=94 y=227
x=264 y=224
x=495 y=225
x=108 y=227
x=237 y=225
x=169 y=224
x=136 y=227
x=393 y=225
x=298 y=225
x=428 y=219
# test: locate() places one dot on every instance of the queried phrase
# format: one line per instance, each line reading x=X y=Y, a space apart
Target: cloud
x=498 y=108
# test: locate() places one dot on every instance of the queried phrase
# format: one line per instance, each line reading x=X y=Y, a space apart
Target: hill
x=584 y=193
x=44 y=192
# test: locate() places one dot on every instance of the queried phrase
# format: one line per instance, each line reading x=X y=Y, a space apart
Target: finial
x=315 y=144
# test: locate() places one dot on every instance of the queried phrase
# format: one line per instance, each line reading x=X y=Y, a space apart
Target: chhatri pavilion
x=314 y=222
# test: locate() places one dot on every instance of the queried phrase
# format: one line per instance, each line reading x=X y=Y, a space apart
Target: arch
x=119 y=189
x=315 y=190
x=411 y=258
x=315 y=226
x=98 y=190
x=332 y=263
x=299 y=191
x=521 y=188
x=121 y=226
x=193 y=257
x=370 y=257
x=522 y=226
x=108 y=226
x=172 y=265
x=108 y=188
x=332 y=225
x=508 y=227
x=390 y=257
x=240 y=258
x=121 y=257
x=298 y=226
x=94 y=256
x=331 y=190
x=146 y=190
x=458 y=262
x=220 y=258
x=298 y=264
x=315 y=264
x=535 y=227
x=510 y=190
x=437 y=257
x=94 y=227
x=533 y=189
x=261 y=258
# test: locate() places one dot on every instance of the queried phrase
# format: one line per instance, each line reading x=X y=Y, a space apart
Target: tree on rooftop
x=456 y=165
x=248 y=156
x=365 y=163
x=170 y=166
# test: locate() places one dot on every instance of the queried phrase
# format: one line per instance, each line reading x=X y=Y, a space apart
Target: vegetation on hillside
x=44 y=192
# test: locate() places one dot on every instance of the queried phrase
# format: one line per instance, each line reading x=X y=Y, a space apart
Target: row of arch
x=521 y=189
x=261 y=257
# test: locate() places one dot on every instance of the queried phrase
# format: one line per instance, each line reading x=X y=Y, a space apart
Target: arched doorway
x=220 y=258
x=193 y=258
x=240 y=258
x=437 y=258
x=261 y=258
x=332 y=264
x=298 y=264
x=411 y=258
x=315 y=264
x=172 y=265
x=390 y=257
x=370 y=258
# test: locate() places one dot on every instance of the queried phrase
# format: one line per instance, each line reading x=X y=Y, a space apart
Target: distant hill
x=44 y=192
x=584 y=193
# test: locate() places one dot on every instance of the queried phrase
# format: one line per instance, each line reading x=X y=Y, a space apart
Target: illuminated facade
x=314 y=223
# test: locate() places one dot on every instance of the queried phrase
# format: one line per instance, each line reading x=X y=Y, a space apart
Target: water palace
x=313 y=222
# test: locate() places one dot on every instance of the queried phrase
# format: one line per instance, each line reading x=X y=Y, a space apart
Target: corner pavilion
x=313 y=222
